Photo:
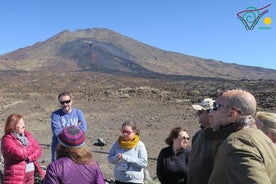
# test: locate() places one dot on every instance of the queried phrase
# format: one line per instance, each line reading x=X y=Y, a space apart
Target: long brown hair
x=82 y=155
x=173 y=134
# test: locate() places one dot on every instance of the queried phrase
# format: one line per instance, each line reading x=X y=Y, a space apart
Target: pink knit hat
x=71 y=136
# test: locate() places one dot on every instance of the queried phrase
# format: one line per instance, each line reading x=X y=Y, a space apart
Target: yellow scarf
x=130 y=143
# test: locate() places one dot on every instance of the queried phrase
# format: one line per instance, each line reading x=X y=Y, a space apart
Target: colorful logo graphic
x=251 y=16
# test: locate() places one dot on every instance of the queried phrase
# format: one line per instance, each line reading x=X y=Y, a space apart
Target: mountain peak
x=103 y=50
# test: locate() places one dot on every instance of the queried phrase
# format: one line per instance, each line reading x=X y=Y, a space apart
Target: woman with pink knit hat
x=74 y=162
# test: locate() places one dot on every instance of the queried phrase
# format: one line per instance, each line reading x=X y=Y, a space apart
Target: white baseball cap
x=205 y=104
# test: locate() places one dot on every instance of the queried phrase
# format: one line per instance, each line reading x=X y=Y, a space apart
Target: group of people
x=234 y=145
x=72 y=161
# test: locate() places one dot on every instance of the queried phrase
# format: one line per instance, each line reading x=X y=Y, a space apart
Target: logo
x=252 y=15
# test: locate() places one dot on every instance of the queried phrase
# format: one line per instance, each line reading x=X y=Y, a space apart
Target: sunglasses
x=126 y=132
x=186 y=138
x=199 y=112
x=65 y=102
x=216 y=106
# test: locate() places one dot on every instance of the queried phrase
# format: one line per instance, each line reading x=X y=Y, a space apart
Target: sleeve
x=142 y=159
x=242 y=162
x=187 y=152
x=12 y=149
x=245 y=166
x=51 y=176
x=100 y=178
x=55 y=124
x=159 y=167
x=112 y=159
x=82 y=121
x=34 y=149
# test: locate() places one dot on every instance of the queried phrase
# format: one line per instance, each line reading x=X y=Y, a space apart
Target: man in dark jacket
x=203 y=147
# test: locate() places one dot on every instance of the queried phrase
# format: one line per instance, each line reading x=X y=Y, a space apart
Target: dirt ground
x=107 y=101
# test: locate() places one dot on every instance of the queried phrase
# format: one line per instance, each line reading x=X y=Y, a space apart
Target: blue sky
x=207 y=29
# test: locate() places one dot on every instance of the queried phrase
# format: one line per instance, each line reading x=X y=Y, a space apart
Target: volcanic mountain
x=104 y=50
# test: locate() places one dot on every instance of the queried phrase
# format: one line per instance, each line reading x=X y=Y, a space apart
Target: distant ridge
x=103 y=50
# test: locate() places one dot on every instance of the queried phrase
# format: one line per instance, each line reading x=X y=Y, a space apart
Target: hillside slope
x=106 y=51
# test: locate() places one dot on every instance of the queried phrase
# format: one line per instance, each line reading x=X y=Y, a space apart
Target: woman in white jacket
x=129 y=155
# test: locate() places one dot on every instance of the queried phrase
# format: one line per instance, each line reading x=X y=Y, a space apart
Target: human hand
x=119 y=156
x=26 y=159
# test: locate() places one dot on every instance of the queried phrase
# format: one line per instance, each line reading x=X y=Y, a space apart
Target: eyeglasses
x=199 y=112
x=126 y=132
x=216 y=106
x=65 y=102
x=186 y=138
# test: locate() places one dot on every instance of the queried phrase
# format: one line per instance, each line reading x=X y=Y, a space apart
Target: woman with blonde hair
x=266 y=121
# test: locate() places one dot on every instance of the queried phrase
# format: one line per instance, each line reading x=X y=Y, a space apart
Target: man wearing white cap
x=201 y=157
x=203 y=110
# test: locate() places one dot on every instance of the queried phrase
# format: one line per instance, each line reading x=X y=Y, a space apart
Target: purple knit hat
x=71 y=136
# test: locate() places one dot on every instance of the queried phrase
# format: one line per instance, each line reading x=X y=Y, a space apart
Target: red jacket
x=15 y=156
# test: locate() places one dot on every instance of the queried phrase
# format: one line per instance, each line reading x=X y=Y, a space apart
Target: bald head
x=233 y=106
x=241 y=100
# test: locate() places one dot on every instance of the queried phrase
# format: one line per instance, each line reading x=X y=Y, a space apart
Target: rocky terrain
x=108 y=100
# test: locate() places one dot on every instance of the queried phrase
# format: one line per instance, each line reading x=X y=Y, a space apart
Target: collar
x=224 y=131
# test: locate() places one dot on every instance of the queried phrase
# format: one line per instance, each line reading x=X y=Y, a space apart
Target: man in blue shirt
x=63 y=117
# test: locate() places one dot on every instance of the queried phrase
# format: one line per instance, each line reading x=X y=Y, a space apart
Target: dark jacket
x=202 y=157
x=171 y=168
